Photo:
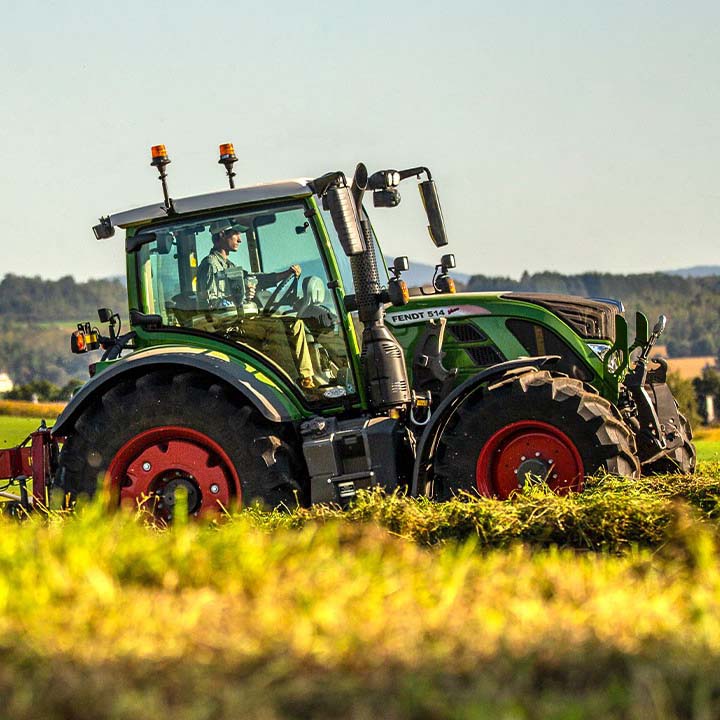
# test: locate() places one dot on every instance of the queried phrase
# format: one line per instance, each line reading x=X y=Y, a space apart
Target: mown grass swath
x=397 y=608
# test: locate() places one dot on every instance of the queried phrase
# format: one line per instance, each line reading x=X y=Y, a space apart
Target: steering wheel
x=278 y=298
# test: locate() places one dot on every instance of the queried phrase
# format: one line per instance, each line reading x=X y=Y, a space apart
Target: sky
x=563 y=135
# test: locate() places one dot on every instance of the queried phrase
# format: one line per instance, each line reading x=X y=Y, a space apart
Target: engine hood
x=591 y=319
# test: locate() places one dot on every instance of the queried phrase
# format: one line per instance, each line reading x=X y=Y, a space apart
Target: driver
x=214 y=292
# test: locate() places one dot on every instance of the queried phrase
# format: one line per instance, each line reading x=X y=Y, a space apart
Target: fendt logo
x=416 y=316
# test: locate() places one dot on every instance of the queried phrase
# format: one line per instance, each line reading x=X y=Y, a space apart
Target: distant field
x=20 y=408
x=690 y=367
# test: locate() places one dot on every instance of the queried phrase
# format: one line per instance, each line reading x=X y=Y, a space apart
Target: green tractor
x=271 y=356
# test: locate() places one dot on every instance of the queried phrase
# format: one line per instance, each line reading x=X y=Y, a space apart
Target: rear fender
x=266 y=397
x=428 y=441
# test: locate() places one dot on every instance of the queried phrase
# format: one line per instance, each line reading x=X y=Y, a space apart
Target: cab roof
x=298 y=187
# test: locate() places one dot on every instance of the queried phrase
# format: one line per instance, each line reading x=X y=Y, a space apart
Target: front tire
x=146 y=438
x=532 y=426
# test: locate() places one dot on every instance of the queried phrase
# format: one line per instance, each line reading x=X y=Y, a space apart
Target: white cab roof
x=298 y=187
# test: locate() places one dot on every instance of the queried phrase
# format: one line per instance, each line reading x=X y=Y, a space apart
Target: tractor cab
x=252 y=275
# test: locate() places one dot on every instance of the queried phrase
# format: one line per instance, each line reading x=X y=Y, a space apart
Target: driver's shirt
x=213 y=288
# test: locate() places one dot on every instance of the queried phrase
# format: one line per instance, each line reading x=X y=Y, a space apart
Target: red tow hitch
x=34 y=459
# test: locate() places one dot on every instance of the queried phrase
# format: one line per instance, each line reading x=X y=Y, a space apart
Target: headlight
x=601 y=351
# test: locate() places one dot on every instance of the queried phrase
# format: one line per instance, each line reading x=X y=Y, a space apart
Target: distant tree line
x=30 y=351
x=43 y=391
x=36 y=319
x=34 y=300
x=691 y=304
x=37 y=316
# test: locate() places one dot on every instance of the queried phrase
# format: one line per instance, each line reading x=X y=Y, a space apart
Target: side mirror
x=342 y=209
x=401 y=264
x=448 y=261
x=105 y=315
x=431 y=201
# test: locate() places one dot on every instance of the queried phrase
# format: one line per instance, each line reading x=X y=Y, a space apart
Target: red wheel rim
x=150 y=467
x=524 y=451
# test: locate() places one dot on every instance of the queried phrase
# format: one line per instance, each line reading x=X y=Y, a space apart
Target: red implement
x=33 y=460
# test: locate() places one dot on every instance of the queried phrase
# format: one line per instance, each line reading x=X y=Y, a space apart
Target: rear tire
x=147 y=436
x=533 y=425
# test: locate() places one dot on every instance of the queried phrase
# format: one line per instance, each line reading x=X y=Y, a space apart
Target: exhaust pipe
x=382 y=358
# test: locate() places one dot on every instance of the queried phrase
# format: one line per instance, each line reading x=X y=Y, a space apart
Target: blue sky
x=568 y=136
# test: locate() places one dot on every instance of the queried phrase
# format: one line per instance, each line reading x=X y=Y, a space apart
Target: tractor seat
x=185 y=308
x=313 y=293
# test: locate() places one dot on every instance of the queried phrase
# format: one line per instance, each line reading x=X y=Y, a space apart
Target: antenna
x=160 y=160
x=228 y=159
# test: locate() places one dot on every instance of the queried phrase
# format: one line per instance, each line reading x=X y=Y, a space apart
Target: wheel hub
x=528 y=449
x=153 y=466
x=532 y=469
x=167 y=494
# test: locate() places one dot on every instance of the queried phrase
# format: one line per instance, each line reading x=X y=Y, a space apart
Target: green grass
x=708 y=450
x=14 y=430
x=396 y=609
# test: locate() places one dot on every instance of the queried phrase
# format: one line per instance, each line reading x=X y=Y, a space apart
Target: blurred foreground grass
x=600 y=605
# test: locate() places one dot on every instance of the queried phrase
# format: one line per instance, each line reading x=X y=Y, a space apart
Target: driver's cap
x=222 y=226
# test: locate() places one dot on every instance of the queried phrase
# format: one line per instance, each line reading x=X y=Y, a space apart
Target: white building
x=6 y=384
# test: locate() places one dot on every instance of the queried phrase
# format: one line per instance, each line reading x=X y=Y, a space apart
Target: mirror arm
x=416 y=172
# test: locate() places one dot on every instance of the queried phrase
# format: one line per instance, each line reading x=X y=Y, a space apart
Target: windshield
x=256 y=278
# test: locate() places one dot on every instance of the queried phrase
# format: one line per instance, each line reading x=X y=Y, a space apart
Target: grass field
x=15 y=429
x=19 y=419
x=599 y=605
x=707 y=441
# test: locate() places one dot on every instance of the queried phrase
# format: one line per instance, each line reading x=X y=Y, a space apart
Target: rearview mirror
x=431 y=201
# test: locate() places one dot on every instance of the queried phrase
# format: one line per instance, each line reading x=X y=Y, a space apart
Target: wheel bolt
x=522 y=458
x=146 y=466
x=537 y=454
x=554 y=476
x=214 y=489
